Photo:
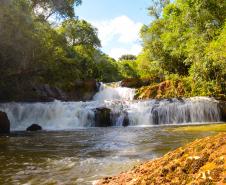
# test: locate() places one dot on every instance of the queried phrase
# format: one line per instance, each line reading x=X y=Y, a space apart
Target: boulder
x=163 y=90
x=28 y=91
x=222 y=106
x=49 y=93
x=139 y=82
x=120 y=119
x=34 y=127
x=125 y=122
x=103 y=117
x=81 y=90
x=4 y=123
x=132 y=83
x=155 y=116
x=84 y=90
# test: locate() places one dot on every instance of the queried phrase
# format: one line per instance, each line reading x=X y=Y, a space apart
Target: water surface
x=84 y=155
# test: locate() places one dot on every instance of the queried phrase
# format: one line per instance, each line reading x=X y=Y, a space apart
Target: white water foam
x=107 y=92
x=174 y=111
x=59 y=115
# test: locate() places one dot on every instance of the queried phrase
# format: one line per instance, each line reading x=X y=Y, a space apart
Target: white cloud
x=118 y=52
x=121 y=31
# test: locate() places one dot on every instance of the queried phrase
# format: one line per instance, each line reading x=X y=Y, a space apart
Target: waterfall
x=174 y=111
x=113 y=91
x=59 y=115
x=53 y=115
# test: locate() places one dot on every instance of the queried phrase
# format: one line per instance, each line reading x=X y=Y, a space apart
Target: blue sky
x=118 y=23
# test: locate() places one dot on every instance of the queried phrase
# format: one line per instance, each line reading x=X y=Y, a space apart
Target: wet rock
x=81 y=90
x=155 y=116
x=120 y=118
x=48 y=93
x=84 y=90
x=222 y=106
x=138 y=82
x=147 y=92
x=181 y=99
x=34 y=127
x=4 y=123
x=163 y=90
x=125 y=122
x=103 y=117
x=28 y=91
x=131 y=83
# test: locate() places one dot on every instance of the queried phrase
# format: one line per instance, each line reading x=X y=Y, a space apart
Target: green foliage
x=108 y=69
x=79 y=32
x=185 y=45
x=156 y=9
x=127 y=57
x=46 y=8
x=187 y=39
x=34 y=52
x=128 y=68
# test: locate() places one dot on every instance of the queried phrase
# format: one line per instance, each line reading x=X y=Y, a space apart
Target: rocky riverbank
x=200 y=162
x=80 y=90
x=158 y=88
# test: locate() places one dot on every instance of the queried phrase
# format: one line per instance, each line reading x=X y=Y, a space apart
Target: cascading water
x=59 y=115
x=174 y=111
x=114 y=92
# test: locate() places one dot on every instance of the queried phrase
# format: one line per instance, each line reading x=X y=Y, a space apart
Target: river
x=71 y=150
x=83 y=155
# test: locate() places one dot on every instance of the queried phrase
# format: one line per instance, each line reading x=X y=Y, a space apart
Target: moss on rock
x=176 y=88
x=166 y=89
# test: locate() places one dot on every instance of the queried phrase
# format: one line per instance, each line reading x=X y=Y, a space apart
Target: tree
x=108 y=69
x=80 y=32
x=34 y=52
x=128 y=57
x=63 y=8
x=17 y=39
x=186 y=39
x=157 y=6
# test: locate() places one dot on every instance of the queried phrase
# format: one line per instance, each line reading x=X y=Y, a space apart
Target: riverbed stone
x=34 y=127
x=103 y=117
x=4 y=123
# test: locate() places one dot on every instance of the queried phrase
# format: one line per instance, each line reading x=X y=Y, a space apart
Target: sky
x=118 y=23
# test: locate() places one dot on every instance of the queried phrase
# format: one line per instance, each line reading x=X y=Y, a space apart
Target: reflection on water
x=84 y=155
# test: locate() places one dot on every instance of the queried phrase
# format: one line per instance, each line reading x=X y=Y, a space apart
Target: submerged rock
x=200 y=162
x=34 y=127
x=103 y=117
x=4 y=123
